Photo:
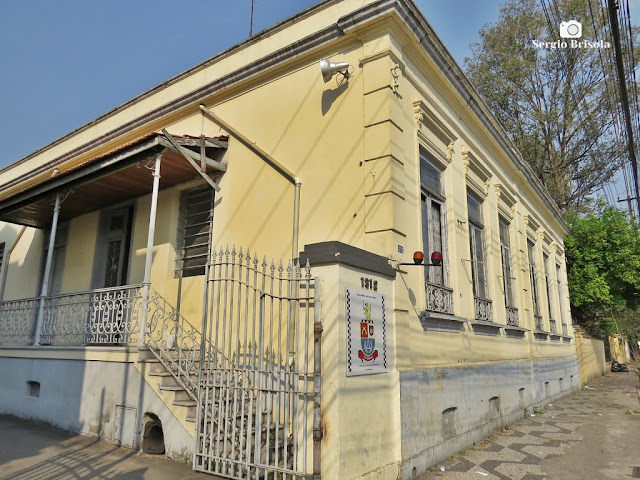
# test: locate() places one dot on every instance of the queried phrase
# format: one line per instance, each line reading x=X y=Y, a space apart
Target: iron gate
x=259 y=398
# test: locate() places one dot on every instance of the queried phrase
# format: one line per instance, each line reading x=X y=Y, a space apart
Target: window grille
x=194 y=234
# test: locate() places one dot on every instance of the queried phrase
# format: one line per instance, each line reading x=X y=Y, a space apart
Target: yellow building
x=138 y=305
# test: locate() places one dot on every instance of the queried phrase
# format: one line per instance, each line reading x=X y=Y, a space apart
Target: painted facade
x=400 y=156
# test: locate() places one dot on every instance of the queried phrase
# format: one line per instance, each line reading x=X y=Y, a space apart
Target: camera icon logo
x=571 y=29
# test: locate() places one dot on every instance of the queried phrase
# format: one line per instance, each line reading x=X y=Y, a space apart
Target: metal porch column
x=47 y=269
x=146 y=284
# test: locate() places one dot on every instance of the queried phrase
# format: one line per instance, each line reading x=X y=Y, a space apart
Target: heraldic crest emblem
x=367 y=337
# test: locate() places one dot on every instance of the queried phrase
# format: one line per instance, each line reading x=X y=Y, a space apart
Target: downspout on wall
x=7 y=260
x=272 y=162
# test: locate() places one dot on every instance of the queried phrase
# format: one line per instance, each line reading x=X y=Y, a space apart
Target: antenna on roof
x=251 y=22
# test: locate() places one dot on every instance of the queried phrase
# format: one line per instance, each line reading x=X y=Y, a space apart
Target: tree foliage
x=552 y=102
x=603 y=263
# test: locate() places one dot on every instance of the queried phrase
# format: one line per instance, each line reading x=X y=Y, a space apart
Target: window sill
x=515 y=332
x=540 y=335
x=481 y=327
x=555 y=337
x=566 y=339
x=441 y=322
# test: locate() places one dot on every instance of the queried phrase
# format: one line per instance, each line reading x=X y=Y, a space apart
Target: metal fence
x=259 y=397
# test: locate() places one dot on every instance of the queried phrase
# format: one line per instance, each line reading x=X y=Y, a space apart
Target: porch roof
x=114 y=177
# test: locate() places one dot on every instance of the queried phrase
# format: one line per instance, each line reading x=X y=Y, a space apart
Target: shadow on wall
x=330 y=96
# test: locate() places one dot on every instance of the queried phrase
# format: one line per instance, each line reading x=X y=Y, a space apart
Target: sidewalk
x=590 y=435
x=32 y=451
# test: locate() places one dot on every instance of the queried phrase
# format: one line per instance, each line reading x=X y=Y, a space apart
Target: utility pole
x=615 y=32
x=631 y=211
x=251 y=22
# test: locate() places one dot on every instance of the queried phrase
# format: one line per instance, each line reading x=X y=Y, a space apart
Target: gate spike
x=264 y=264
x=307 y=267
x=289 y=269
x=280 y=269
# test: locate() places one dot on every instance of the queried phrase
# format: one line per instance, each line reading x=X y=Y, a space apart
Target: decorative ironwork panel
x=565 y=330
x=174 y=341
x=484 y=310
x=512 y=316
x=539 y=326
x=258 y=389
x=18 y=321
x=439 y=298
x=104 y=316
x=552 y=326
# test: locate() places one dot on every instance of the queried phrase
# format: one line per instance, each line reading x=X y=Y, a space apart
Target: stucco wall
x=445 y=410
x=105 y=399
x=591 y=356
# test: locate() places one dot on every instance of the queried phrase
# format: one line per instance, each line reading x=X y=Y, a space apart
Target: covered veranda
x=118 y=314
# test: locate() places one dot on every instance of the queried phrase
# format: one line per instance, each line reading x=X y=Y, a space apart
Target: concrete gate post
x=360 y=383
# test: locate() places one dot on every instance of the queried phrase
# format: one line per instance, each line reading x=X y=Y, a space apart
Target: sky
x=63 y=63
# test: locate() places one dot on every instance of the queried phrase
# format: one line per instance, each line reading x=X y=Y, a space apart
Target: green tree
x=552 y=102
x=603 y=267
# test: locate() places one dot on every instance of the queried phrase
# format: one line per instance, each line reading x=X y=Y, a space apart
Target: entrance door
x=110 y=309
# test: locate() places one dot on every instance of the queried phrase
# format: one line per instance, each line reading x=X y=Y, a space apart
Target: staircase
x=237 y=426
x=167 y=382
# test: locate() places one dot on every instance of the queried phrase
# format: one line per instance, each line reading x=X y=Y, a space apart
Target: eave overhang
x=110 y=179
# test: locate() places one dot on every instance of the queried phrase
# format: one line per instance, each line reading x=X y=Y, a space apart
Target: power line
x=612 y=7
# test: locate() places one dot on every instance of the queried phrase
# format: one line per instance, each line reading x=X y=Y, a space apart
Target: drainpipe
x=272 y=162
x=6 y=261
x=47 y=269
x=146 y=283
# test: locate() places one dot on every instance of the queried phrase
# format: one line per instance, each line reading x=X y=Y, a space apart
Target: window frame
x=476 y=234
x=507 y=269
x=429 y=197
x=531 y=253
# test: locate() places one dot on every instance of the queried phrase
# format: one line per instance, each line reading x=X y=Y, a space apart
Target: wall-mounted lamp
x=418 y=258
x=329 y=69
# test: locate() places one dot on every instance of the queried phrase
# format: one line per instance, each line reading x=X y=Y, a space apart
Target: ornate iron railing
x=439 y=298
x=105 y=316
x=539 y=326
x=565 y=330
x=483 y=309
x=18 y=321
x=512 y=316
x=552 y=326
x=174 y=341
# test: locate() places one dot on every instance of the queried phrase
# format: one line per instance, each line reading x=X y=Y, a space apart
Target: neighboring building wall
x=590 y=356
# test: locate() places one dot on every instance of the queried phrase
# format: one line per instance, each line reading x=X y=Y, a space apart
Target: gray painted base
x=107 y=400
x=445 y=410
